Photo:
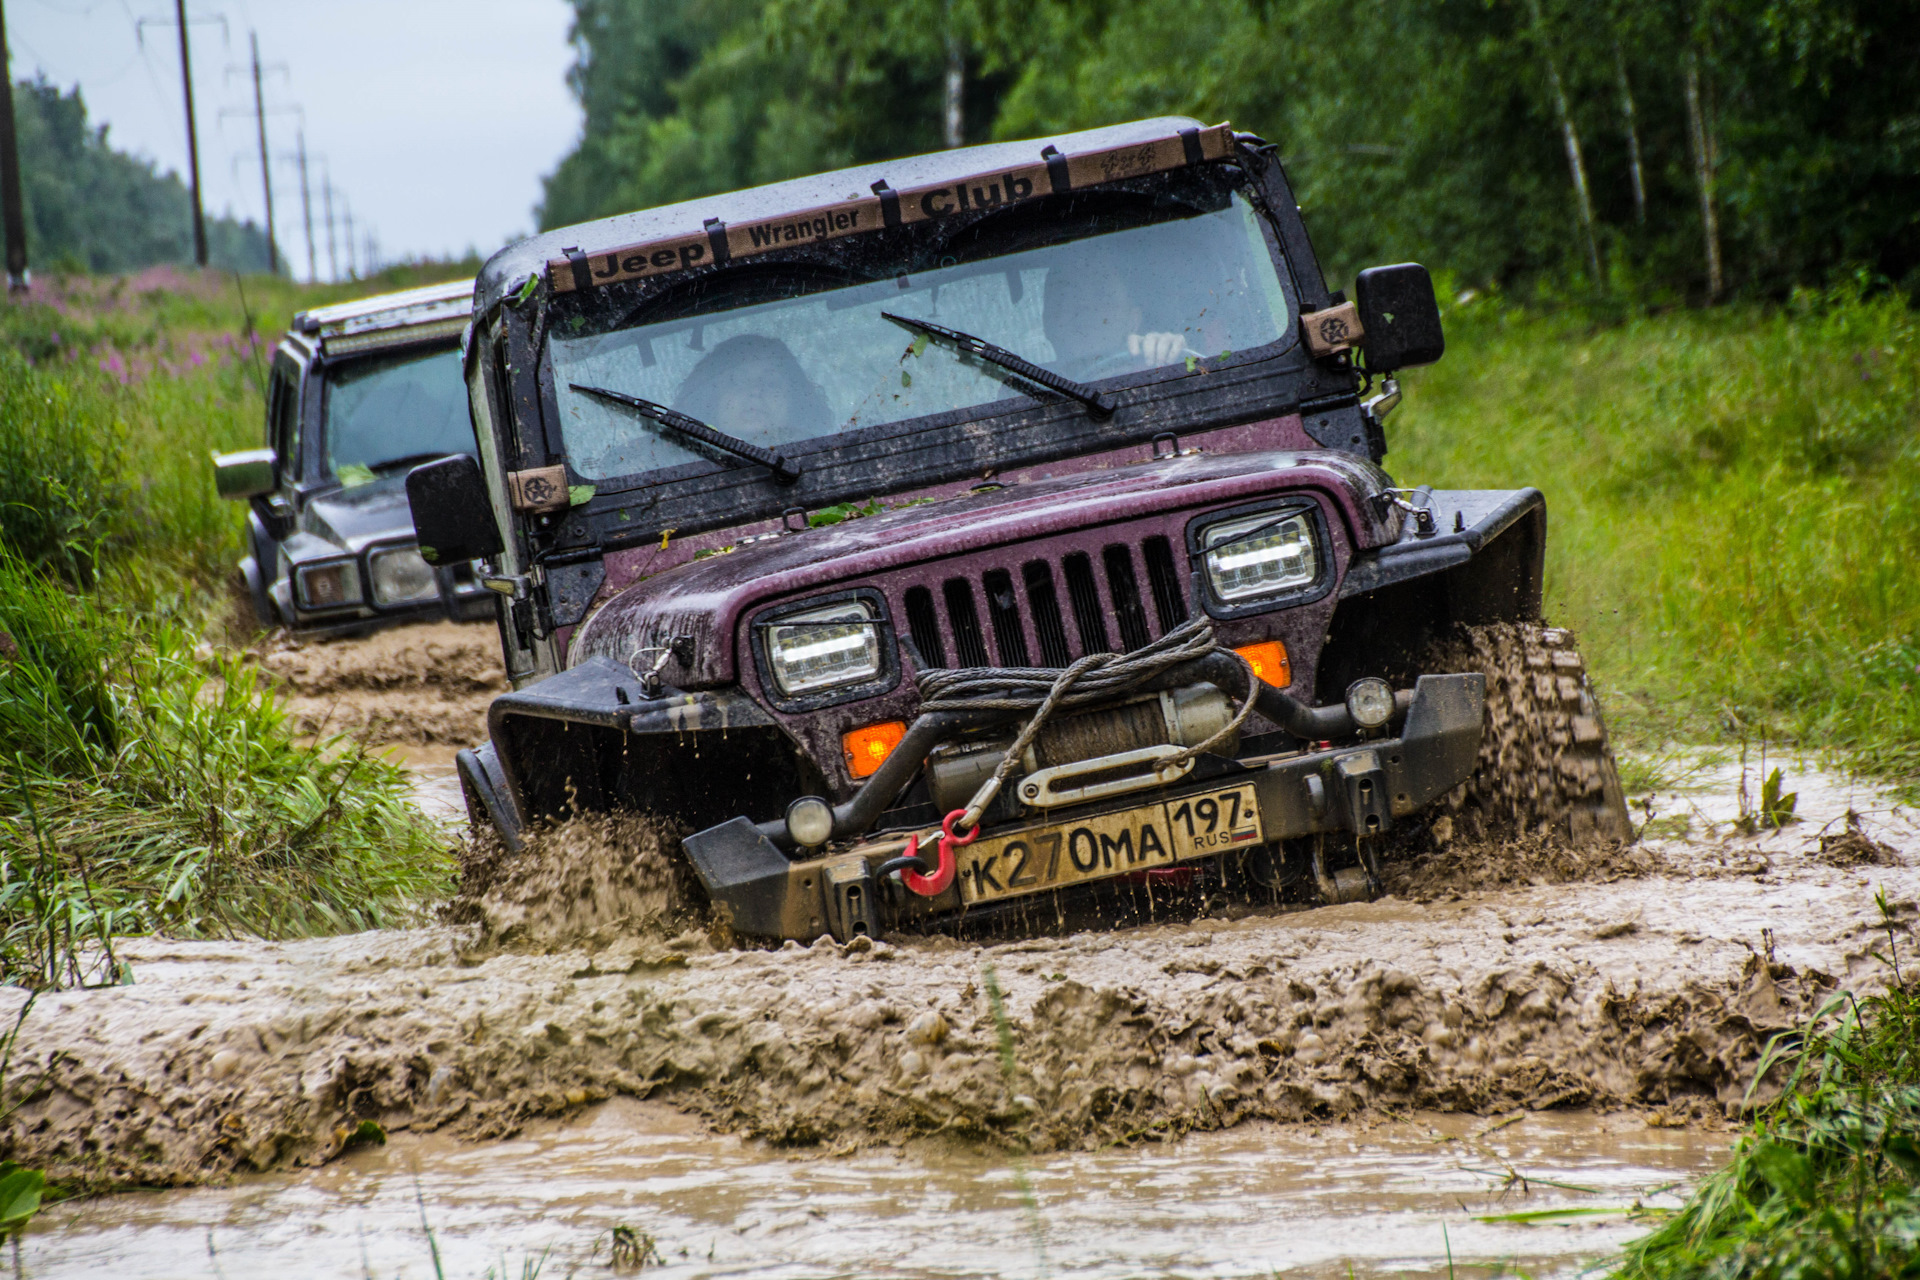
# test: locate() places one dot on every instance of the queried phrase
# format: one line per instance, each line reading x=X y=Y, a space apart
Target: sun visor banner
x=718 y=242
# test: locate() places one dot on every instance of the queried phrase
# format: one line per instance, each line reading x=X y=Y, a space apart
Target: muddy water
x=1307 y=1200
x=1149 y=1070
x=427 y=683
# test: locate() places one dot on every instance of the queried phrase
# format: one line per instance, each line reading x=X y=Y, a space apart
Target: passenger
x=1096 y=326
x=751 y=387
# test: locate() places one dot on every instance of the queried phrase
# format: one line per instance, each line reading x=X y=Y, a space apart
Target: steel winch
x=1085 y=756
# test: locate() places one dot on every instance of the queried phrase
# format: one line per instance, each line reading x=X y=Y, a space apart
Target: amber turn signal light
x=1269 y=659
x=867 y=749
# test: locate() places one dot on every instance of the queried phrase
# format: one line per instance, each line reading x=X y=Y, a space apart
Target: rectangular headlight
x=333 y=585
x=1260 y=555
x=824 y=648
x=400 y=576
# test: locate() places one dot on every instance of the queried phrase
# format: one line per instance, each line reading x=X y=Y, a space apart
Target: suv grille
x=1027 y=620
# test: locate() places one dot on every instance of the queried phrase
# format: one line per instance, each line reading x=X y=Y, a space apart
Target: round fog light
x=810 y=821
x=1369 y=702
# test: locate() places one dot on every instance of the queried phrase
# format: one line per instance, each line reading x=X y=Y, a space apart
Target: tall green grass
x=147 y=783
x=1826 y=1183
x=148 y=780
x=113 y=396
x=1732 y=497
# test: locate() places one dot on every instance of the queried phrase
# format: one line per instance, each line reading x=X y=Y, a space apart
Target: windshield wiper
x=412 y=459
x=1096 y=404
x=783 y=471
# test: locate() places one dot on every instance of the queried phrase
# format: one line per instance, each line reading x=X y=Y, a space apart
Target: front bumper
x=1360 y=789
x=461 y=599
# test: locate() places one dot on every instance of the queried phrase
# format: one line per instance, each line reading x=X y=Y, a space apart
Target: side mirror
x=1398 y=316
x=452 y=516
x=245 y=475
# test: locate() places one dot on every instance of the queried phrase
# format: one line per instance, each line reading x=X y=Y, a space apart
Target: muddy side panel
x=1482 y=563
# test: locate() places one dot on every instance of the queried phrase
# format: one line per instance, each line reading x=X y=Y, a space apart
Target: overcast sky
x=436 y=119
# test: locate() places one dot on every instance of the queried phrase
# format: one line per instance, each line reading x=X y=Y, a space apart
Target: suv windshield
x=778 y=354
x=387 y=409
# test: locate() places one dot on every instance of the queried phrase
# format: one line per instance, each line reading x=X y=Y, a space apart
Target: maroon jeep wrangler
x=994 y=537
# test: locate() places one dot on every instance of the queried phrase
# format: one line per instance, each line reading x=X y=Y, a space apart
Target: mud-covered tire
x=1545 y=767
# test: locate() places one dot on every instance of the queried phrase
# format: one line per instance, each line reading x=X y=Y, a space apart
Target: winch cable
x=1044 y=690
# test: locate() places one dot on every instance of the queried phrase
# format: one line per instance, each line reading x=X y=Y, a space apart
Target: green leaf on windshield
x=579 y=494
x=843 y=511
x=353 y=475
x=526 y=290
x=919 y=344
x=906 y=379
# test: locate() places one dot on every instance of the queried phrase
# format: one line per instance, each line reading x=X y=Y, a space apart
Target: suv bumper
x=1361 y=789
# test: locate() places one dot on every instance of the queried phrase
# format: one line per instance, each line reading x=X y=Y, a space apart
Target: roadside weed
x=146 y=783
x=1729 y=493
x=1827 y=1181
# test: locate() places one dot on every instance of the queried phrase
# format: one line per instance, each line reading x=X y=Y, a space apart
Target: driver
x=752 y=387
x=1097 y=328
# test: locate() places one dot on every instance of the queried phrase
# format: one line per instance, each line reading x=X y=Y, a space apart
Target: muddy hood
x=354 y=519
x=705 y=599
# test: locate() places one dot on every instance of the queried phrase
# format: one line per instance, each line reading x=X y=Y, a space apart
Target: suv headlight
x=1260 y=555
x=400 y=576
x=332 y=585
x=824 y=648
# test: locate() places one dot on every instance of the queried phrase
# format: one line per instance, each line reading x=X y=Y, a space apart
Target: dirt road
x=1652 y=991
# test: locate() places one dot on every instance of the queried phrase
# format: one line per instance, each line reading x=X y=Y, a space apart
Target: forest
x=1640 y=151
x=92 y=208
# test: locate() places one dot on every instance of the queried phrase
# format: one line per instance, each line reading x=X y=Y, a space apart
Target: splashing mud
x=425 y=683
x=1447 y=869
x=1654 y=991
x=586 y=882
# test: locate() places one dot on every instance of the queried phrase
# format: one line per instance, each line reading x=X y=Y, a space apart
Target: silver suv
x=360 y=393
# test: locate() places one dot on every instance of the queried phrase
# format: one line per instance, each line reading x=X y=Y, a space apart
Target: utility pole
x=266 y=169
x=193 y=133
x=11 y=209
x=346 y=212
x=333 y=255
x=193 y=138
x=306 y=207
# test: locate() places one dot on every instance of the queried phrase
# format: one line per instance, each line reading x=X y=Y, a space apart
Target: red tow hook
x=936 y=884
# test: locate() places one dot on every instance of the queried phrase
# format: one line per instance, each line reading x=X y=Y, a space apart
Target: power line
x=260 y=113
x=326 y=191
x=306 y=207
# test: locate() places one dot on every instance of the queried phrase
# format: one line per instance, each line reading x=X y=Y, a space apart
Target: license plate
x=1154 y=835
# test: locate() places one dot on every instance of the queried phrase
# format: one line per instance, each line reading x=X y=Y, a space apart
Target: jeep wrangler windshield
x=1110 y=285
